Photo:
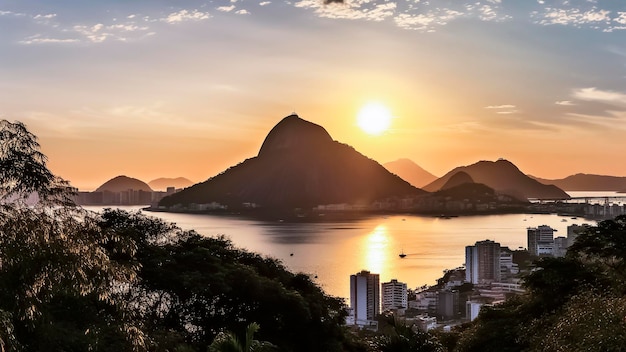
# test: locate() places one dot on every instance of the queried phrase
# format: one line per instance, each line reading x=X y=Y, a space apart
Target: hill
x=298 y=165
x=504 y=177
x=587 y=182
x=161 y=184
x=460 y=178
x=124 y=183
x=410 y=172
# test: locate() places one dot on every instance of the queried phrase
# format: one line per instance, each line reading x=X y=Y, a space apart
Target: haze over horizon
x=155 y=89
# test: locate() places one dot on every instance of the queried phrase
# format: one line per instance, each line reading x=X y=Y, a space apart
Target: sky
x=156 y=88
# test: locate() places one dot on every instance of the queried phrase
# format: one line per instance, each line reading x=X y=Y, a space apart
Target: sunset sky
x=155 y=88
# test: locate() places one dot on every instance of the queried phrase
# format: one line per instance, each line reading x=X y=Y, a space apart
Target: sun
x=374 y=118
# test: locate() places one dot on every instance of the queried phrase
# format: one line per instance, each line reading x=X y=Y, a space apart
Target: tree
x=57 y=283
x=228 y=342
x=401 y=337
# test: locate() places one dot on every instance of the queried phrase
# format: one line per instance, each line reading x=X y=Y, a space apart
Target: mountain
x=410 y=172
x=505 y=178
x=587 y=182
x=124 y=183
x=161 y=184
x=468 y=190
x=457 y=179
x=298 y=165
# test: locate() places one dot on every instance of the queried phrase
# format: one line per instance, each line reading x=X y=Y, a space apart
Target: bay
x=331 y=251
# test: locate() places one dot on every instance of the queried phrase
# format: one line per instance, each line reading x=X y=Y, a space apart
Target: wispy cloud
x=225 y=8
x=38 y=39
x=357 y=10
x=419 y=15
x=186 y=15
x=427 y=21
x=506 y=106
x=564 y=102
x=594 y=94
x=505 y=109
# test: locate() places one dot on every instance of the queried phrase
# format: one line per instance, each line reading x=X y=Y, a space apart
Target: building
x=573 y=231
x=394 y=295
x=560 y=246
x=365 y=297
x=448 y=304
x=508 y=269
x=541 y=240
x=482 y=262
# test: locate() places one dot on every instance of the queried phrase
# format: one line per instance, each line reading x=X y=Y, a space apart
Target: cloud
x=564 y=103
x=264 y=3
x=48 y=16
x=38 y=39
x=226 y=8
x=585 y=15
x=363 y=10
x=242 y=12
x=506 y=106
x=505 y=109
x=594 y=94
x=186 y=15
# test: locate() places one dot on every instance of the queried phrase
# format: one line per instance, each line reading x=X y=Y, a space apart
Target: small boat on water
x=402 y=255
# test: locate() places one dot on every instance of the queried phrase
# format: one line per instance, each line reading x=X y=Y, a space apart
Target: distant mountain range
x=161 y=184
x=587 y=182
x=124 y=183
x=503 y=177
x=410 y=172
x=298 y=165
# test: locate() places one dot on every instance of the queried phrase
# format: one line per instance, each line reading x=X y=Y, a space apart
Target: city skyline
x=156 y=89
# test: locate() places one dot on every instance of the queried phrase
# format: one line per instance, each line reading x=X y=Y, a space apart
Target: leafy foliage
x=406 y=338
x=72 y=280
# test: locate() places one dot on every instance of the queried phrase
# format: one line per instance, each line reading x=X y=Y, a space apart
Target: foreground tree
x=72 y=280
x=56 y=279
x=229 y=342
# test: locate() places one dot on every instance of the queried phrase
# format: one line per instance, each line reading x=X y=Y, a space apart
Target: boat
x=402 y=255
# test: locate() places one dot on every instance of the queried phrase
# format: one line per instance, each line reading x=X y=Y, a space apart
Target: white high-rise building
x=365 y=297
x=508 y=269
x=482 y=262
x=394 y=295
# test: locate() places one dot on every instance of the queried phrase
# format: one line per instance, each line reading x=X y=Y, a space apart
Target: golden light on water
x=376 y=248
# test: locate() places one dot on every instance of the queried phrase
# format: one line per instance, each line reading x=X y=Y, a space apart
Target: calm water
x=334 y=251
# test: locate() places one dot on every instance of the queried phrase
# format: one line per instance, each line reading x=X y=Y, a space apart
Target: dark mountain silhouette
x=124 y=183
x=298 y=165
x=504 y=177
x=457 y=179
x=410 y=172
x=161 y=184
x=467 y=190
x=587 y=182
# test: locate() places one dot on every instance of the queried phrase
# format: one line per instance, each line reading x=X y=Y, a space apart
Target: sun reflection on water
x=376 y=248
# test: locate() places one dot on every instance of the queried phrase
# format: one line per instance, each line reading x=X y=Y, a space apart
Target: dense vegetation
x=72 y=280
